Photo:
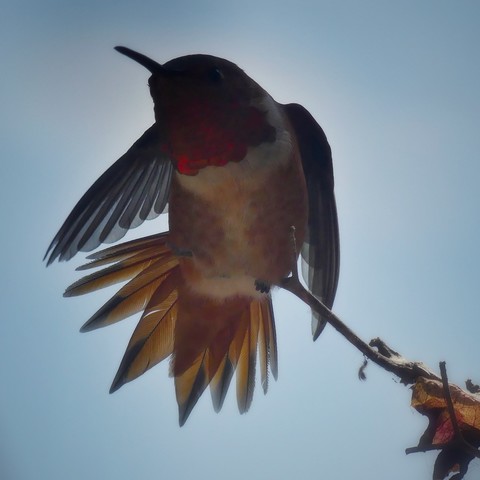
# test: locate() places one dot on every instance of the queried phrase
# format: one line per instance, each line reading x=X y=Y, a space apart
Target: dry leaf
x=428 y=398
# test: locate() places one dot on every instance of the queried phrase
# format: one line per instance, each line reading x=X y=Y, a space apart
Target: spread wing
x=320 y=251
x=135 y=188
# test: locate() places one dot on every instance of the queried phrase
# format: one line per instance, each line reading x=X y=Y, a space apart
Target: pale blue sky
x=395 y=85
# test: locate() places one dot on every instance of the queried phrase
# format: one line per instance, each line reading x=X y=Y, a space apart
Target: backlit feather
x=152 y=340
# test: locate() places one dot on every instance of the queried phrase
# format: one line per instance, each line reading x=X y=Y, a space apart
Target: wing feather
x=134 y=188
x=320 y=251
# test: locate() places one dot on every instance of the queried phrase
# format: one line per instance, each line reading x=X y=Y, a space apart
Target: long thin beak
x=143 y=60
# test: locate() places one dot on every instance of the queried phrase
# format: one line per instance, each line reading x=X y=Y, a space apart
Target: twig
x=384 y=356
x=426 y=448
x=448 y=399
x=407 y=371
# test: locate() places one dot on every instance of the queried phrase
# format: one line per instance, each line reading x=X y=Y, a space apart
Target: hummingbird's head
x=210 y=111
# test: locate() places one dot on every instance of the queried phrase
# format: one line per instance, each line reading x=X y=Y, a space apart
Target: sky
x=395 y=87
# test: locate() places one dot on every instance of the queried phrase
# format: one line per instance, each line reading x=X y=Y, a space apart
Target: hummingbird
x=236 y=170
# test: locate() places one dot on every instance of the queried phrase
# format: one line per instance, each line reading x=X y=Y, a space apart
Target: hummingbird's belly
x=239 y=229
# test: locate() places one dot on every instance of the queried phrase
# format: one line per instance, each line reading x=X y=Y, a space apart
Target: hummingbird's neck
x=255 y=166
x=207 y=132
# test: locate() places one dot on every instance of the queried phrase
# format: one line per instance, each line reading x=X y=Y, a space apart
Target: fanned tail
x=206 y=339
x=213 y=339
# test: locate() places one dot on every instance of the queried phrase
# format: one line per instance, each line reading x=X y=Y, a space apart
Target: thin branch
x=385 y=357
x=426 y=448
x=448 y=399
x=458 y=449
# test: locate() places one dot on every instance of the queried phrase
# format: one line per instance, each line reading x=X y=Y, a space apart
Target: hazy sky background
x=395 y=86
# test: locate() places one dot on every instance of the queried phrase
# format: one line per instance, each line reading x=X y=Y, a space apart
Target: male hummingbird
x=238 y=171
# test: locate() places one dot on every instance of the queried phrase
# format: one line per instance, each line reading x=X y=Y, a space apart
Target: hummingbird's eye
x=215 y=74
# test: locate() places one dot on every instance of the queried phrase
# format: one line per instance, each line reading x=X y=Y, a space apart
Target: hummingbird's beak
x=143 y=60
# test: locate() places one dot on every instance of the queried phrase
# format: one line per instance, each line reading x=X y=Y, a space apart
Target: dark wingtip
x=84 y=328
x=92 y=323
x=115 y=385
x=182 y=418
x=97 y=320
x=120 y=377
x=49 y=256
x=184 y=412
x=151 y=65
x=322 y=323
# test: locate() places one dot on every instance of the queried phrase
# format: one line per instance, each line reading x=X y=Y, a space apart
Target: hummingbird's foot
x=180 y=252
x=262 y=286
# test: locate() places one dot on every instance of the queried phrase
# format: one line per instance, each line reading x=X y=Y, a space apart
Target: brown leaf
x=428 y=398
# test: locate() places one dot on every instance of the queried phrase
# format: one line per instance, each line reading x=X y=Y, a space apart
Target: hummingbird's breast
x=236 y=219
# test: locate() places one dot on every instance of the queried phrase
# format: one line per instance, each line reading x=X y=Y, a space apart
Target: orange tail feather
x=207 y=339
